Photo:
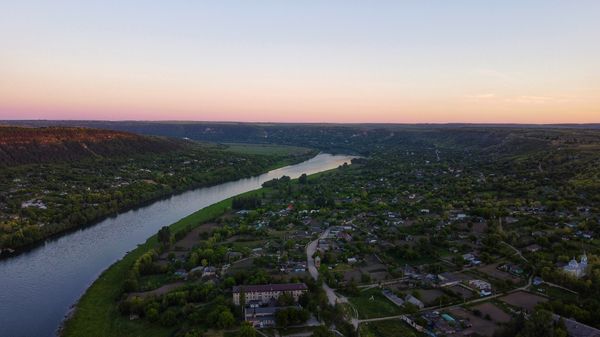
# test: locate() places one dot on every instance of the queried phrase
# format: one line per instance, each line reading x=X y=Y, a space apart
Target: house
x=233 y=256
x=468 y=257
x=392 y=297
x=480 y=284
x=533 y=248
x=414 y=301
x=345 y=236
x=209 y=272
x=198 y=270
x=266 y=292
x=511 y=268
x=471 y=259
x=181 y=273
x=409 y=271
x=323 y=245
x=484 y=293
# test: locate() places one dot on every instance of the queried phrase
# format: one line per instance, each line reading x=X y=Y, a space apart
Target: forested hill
x=497 y=140
x=25 y=145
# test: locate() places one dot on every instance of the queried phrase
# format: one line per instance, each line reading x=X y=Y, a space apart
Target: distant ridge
x=34 y=145
x=355 y=138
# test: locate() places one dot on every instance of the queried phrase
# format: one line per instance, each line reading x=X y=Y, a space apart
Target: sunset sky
x=301 y=61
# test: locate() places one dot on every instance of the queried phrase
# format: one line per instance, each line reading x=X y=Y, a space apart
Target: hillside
x=363 y=139
x=23 y=145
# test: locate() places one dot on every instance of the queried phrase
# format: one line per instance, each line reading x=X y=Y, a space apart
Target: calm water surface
x=38 y=287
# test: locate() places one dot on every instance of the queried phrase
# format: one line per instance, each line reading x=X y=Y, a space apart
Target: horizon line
x=298 y=123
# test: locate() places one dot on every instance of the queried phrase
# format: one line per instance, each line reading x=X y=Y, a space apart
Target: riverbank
x=97 y=314
x=291 y=158
x=37 y=288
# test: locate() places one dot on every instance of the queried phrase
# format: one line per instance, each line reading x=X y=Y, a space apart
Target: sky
x=422 y=61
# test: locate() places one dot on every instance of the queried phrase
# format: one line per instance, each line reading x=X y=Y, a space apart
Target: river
x=38 y=287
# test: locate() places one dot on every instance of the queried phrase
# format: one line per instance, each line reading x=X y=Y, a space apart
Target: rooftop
x=270 y=287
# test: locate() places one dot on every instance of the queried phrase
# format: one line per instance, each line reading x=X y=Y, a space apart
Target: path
x=157 y=292
x=561 y=287
x=381 y=318
x=518 y=252
x=333 y=298
x=311 y=248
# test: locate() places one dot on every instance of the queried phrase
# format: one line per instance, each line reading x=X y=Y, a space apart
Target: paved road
x=333 y=298
x=311 y=248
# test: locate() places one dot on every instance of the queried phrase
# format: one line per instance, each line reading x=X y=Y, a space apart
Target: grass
x=154 y=281
x=389 y=328
x=555 y=293
x=378 y=307
x=266 y=149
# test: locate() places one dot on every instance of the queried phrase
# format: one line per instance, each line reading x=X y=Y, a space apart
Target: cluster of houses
x=35 y=203
x=471 y=259
x=484 y=287
x=443 y=323
x=511 y=269
x=401 y=302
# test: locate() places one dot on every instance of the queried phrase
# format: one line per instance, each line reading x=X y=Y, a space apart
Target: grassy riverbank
x=97 y=315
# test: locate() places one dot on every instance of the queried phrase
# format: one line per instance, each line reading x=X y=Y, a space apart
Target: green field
x=379 y=306
x=266 y=149
x=556 y=293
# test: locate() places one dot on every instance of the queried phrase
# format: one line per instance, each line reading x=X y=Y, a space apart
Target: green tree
x=164 y=236
x=303 y=179
x=285 y=299
x=169 y=318
x=226 y=319
x=247 y=330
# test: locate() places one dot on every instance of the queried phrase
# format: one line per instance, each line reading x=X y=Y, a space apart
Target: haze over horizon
x=269 y=61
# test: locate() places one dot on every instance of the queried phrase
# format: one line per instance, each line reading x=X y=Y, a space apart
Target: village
x=410 y=266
